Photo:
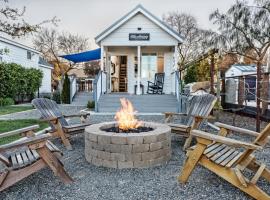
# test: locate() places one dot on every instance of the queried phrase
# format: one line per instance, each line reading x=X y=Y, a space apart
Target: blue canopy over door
x=84 y=56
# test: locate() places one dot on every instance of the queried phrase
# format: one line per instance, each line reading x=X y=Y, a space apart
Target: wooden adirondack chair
x=156 y=87
x=197 y=114
x=50 y=112
x=218 y=154
x=27 y=156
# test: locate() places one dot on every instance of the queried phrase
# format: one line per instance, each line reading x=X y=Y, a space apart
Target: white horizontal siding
x=46 y=81
x=120 y=37
x=18 y=55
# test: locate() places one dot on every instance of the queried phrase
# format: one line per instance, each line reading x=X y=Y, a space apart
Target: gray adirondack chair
x=197 y=114
x=28 y=155
x=50 y=112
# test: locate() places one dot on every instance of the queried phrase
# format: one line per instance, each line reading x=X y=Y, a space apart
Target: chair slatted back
x=49 y=109
x=200 y=105
x=159 y=78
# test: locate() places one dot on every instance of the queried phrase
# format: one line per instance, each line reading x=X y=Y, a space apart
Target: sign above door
x=139 y=36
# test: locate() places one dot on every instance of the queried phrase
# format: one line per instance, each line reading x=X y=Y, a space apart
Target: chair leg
x=191 y=162
x=254 y=166
x=54 y=164
x=63 y=136
x=187 y=142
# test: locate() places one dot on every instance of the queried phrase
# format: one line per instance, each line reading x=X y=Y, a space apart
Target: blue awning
x=84 y=56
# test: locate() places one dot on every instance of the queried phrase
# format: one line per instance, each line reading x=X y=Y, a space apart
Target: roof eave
x=129 y=15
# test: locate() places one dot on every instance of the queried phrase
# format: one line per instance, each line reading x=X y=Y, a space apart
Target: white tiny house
x=136 y=47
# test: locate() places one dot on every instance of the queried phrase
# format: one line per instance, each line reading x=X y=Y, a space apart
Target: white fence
x=100 y=87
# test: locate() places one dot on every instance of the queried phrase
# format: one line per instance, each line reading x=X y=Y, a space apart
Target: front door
x=119 y=73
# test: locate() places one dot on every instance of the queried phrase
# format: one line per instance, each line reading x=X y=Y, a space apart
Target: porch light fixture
x=139 y=28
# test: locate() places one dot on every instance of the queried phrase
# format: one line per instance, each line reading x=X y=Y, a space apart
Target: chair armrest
x=172 y=113
x=49 y=119
x=223 y=140
x=19 y=131
x=35 y=140
x=237 y=129
x=77 y=115
x=203 y=117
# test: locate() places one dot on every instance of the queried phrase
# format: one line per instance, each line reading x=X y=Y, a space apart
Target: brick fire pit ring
x=127 y=150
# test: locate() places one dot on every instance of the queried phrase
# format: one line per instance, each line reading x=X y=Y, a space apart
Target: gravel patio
x=155 y=183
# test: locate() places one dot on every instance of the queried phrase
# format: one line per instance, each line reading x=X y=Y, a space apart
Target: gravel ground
x=155 y=183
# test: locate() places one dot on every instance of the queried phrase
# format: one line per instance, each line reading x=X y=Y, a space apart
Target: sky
x=90 y=17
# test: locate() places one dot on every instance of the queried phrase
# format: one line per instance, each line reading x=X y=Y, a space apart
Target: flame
x=125 y=116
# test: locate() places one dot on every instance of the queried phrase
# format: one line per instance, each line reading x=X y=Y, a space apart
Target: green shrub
x=17 y=81
x=56 y=97
x=65 y=97
x=90 y=104
x=6 y=101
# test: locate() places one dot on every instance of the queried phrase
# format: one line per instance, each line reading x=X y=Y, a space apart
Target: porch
x=109 y=103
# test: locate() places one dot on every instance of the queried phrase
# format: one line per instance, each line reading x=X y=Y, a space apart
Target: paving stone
x=141 y=164
x=123 y=165
x=133 y=157
x=139 y=148
x=104 y=139
x=149 y=139
x=125 y=149
x=104 y=155
x=162 y=136
x=109 y=163
x=113 y=148
x=155 y=146
x=118 y=140
x=97 y=161
x=134 y=140
x=152 y=155
x=118 y=157
x=165 y=143
x=92 y=137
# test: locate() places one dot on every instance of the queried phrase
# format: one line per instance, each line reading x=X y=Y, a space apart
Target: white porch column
x=175 y=58
x=102 y=58
x=139 y=70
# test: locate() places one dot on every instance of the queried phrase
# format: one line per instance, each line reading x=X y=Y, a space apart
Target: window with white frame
x=29 y=55
x=151 y=64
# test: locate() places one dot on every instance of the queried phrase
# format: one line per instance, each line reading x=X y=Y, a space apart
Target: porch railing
x=100 y=87
x=181 y=99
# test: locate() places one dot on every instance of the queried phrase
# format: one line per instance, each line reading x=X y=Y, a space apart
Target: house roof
x=3 y=39
x=245 y=68
x=43 y=63
x=139 y=9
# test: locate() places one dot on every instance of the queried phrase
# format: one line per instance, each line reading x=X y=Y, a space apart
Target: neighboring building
x=84 y=83
x=139 y=34
x=28 y=57
x=241 y=70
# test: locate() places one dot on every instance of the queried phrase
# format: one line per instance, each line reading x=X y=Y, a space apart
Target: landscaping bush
x=90 y=104
x=17 y=82
x=66 y=90
x=56 y=97
x=6 y=101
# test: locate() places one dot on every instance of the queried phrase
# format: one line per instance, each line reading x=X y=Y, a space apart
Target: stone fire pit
x=127 y=150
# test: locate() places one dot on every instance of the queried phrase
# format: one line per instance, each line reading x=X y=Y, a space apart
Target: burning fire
x=125 y=116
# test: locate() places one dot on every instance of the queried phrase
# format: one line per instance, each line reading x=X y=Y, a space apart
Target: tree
x=13 y=24
x=186 y=25
x=53 y=44
x=65 y=96
x=242 y=29
x=91 y=68
x=191 y=75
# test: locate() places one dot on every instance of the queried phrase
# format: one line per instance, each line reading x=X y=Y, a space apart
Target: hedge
x=17 y=81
